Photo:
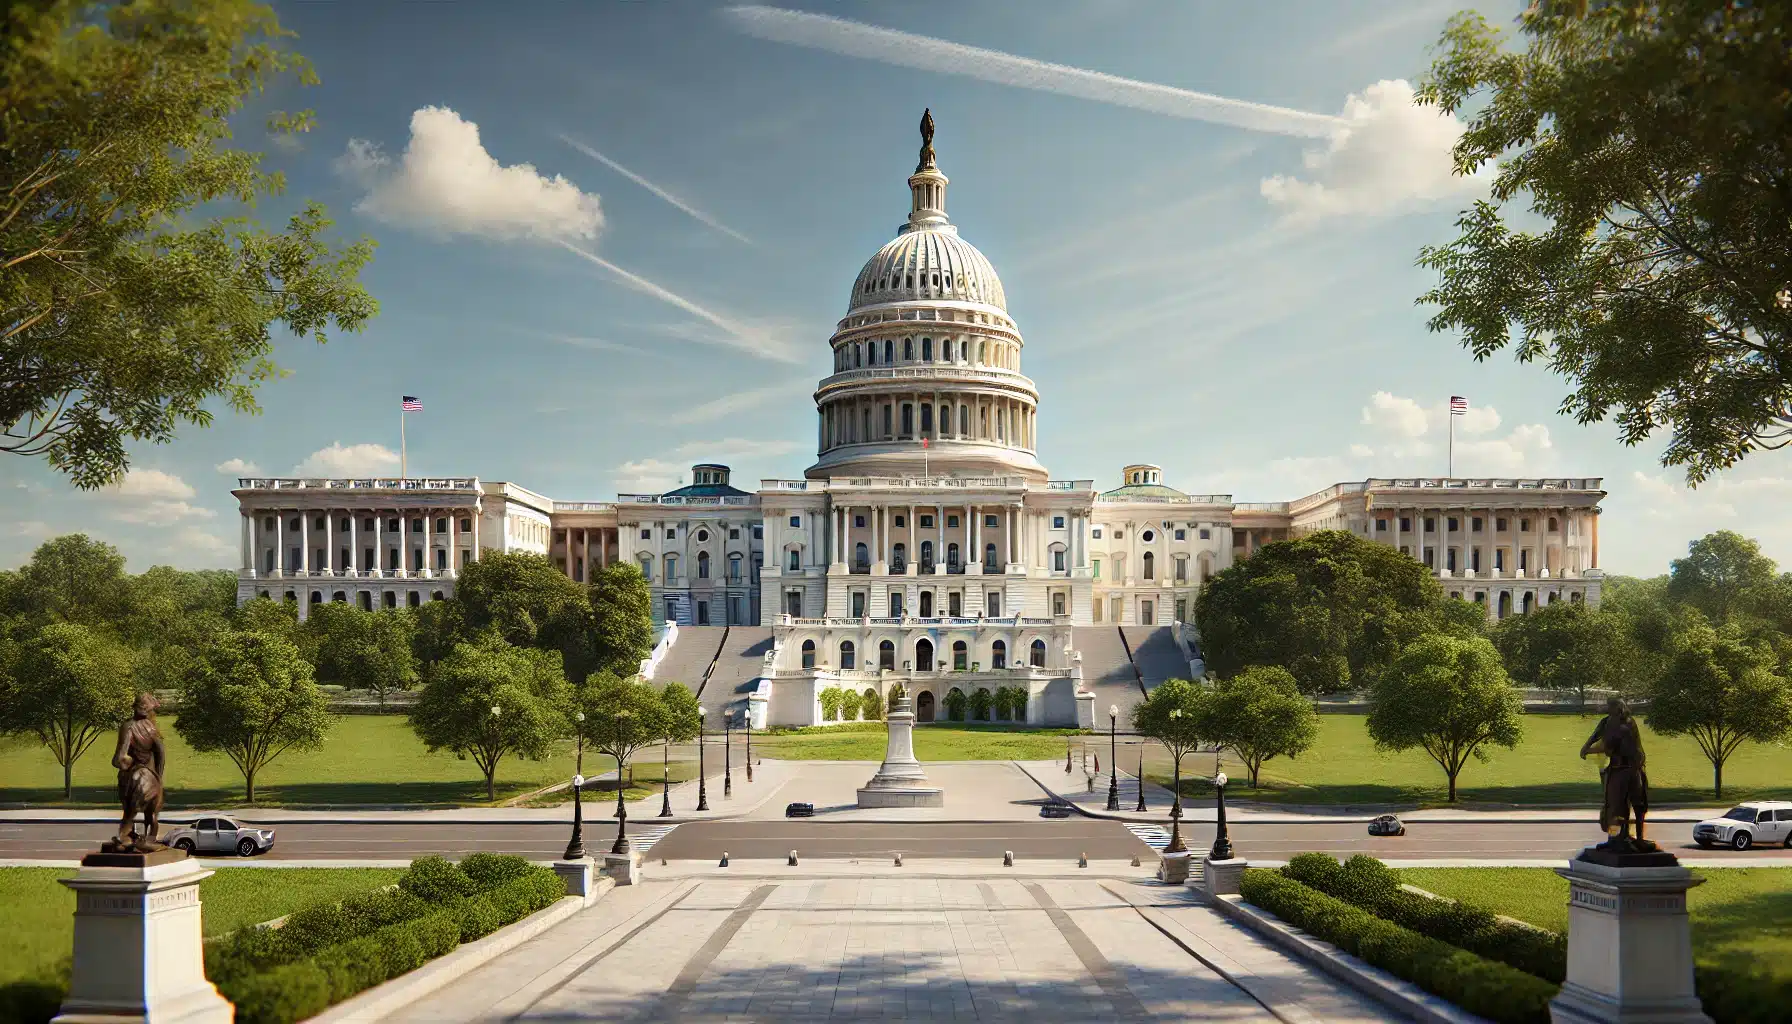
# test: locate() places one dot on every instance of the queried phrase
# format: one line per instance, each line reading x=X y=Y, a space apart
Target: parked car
x=800 y=810
x=221 y=835
x=1387 y=825
x=1752 y=824
x=1055 y=810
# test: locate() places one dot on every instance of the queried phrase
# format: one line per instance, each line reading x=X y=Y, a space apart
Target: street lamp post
x=747 y=719
x=1113 y=757
x=576 y=848
x=1141 y=806
x=666 y=778
x=727 y=755
x=1222 y=844
x=1176 y=800
x=1068 y=744
x=702 y=780
x=621 y=844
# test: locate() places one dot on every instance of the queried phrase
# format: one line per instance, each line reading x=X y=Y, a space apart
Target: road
x=1036 y=839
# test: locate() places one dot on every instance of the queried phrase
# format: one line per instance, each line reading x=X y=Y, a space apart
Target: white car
x=221 y=835
x=1752 y=824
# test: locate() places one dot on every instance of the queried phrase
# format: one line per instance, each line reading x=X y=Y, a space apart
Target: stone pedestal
x=625 y=868
x=1172 y=868
x=1629 y=942
x=139 y=954
x=577 y=874
x=899 y=781
x=1221 y=877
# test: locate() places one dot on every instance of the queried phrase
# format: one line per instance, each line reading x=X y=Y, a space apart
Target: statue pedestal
x=1172 y=868
x=899 y=781
x=1629 y=941
x=139 y=954
x=625 y=868
x=1221 y=877
x=579 y=875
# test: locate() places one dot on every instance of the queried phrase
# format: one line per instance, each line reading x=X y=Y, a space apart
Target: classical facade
x=927 y=544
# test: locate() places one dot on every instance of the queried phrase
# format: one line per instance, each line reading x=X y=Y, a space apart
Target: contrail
x=924 y=53
x=744 y=339
x=695 y=213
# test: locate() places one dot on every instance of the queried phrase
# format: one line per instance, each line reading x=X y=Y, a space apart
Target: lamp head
x=578 y=782
x=1220 y=780
x=496 y=710
x=1113 y=711
x=700 y=711
x=580 y=716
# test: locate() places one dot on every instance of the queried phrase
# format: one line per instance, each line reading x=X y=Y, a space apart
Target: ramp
x=1156 y=654
x=691 y=656
x=1108 y=670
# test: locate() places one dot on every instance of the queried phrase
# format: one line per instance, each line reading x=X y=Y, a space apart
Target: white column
x=354 y=540
x=379 y=541
x=280 y=542
x=453 y=541
x=305 y=541
x=247 y=544
x=474 y=554
x=330 y=541
x=404 y=541
x=428 y=554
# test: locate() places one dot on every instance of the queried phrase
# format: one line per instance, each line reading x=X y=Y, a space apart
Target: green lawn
x=867 y=741
x=367 y=759
x=1345 y=768
x=1741 y=917
x=37 y=915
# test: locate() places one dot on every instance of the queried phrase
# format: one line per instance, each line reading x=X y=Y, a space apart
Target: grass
x=641 y=780
x=37 y=921
x=1741 y=917
x=366 y=759
x=866 y=741
x=1344 y=767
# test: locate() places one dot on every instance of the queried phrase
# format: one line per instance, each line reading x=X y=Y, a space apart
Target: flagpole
x=403 y=465
x=1450 y=468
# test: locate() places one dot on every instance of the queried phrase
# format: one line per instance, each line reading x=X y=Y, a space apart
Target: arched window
x=1038 y=654
x=998 y=654
x=927 y=350
x=964 y=420
x=647 y=567
x=927 y=556
x=886 y=655
x=889 y=351
x=1150 y=561
x=948 y=350
x=795 y=561
x=703 y=565
x=927 y=604
x=847 y=654
x=734 y=567
x=671 y=568
x=899 y=557
x=924 y=655
x=808 y=654
x=959 y=653
x=989 y=557
x=908 y=349
x=952 y=556
x=861 y=555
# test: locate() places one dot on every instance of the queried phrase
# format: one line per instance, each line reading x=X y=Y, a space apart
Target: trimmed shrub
x=490 y=870
x=477 y=918
x=352 y=966
x=285 y=994
x=1369 y=884
x=302 y=989
x=437 y=881
x=1491 y=989
x=365 y=911
x=1733 y=996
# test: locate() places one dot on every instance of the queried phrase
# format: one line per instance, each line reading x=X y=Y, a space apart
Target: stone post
x=900 y=780
x=1629 y=942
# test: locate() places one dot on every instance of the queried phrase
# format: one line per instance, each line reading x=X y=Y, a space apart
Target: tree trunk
x=1717 y=778
x=1452 y=776
x=491 y=788
x=68 y=779
x=249 y=784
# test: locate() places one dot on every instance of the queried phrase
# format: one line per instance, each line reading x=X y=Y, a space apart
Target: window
x=796 y=521
x=1552 y=524
x=1148 y=537
x=858 y=522
x=1182 y=570
x=758 y=533
x=994 y=600
x=951 y=522
x=1150 y=561
x=1095 y=567
x=955 y=603
x=796 y=560
x=671 y=610
x=808 y=654
x=908 y=419
x=1499 y=524
x=927 y=350
x=1206 y=534
x=1524 y=526
x=703 y=565
x=1474 y=524
x=1450 y=559
x=847 y=655
x=998 y=653
x=1147 y=613
x=858 y=604
x=1058 y=603
x=952 y=555
x=671 y=568
x=1452 y=524
x=1405 y=524
x=1430 y=524
x=895 y=604
x=908 y=348
x=646 y=534
x=991 y=522
x=901 y=521
x=702 y=536
x=1036 y=654
x=861 y=556
x=734 y=534
x=1057 y=522
x=1181 y=534
x=989 y=557
x=1057 y=559
x=1118 y=535
x=959 y=655
x=1096 y=533
x=886 y=655
x=734 y=568
x=1381 y=526
x=926 y=522
x=924 y=655
x=672 y=533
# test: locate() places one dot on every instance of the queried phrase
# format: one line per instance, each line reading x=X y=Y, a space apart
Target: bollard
x=1135 y=860
x=1083 y=861
x=662 y=862
x=1007 y=858
x=793 y=858
x=724 y=859
x=899 y=860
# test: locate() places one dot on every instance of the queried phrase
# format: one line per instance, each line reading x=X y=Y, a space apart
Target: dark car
x=1387 y=825
x=1055 y=810
x=800 y=810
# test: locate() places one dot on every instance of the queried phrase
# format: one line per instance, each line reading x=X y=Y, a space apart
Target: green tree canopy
x=1569 y=647
x=1259 y=714
x=252 y=696
x=127 y=307
x=73 y=578
x=622 y=715
x=1722 y=690
x=1724 y=575
x=1331 y=608
x=489 y=700
x=619 y=630
x=682 y=720
x=363 y=650
x=529 y=602
x=1449 y=696
x=1651 y=140
x=1174 y=714
x=68 y=686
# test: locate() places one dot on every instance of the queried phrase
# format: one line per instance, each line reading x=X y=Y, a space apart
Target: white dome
x=928 y=264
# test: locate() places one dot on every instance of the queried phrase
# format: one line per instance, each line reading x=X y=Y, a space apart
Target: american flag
x=411 y=403
x=1458 y=405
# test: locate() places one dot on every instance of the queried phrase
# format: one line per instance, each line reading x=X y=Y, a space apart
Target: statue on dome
x=926 y=141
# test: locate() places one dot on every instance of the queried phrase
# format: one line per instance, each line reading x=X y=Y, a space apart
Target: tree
x=955 y=702
x=278 y=618
x=1723 y=575
x=1721 y=690
x=362 y=650
x=252 y=696
x=981 y=703
x=440 y=625
x=68 y=686
x=1568 y=647
x=621 y=717
x=1651 y=140
x=1259 y=714
x=619 y=629
x=1004 y=703
x=1449 y=696
x=682 y=720
x=489 y=700
x=871 y=705
x=72 y=578
x=849 y=705
x=126 y=307
x=530 y=602
x=830 y=703
x=1331 y=608
x=1173 y=714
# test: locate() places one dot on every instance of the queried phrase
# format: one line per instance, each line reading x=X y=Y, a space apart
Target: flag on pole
x=1458 y=405
x=411 y=403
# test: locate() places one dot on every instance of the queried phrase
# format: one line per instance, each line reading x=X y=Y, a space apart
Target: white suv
x=1746 y=825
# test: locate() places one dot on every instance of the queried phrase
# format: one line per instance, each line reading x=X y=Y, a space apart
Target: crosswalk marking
x=642 y=840
x=1154 y=836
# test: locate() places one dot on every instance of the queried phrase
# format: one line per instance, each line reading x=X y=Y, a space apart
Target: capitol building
x=927 y=545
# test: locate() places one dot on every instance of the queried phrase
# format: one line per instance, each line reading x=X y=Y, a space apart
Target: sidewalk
x=1074 y=789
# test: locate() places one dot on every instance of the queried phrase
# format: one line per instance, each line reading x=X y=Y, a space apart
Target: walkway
x=974 y=948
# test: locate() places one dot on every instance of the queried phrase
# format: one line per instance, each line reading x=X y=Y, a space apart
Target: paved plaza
x=810 y=947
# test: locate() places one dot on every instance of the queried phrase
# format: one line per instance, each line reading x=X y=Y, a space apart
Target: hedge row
x=1373 y=886
x=338 y=950
x=1481 y=986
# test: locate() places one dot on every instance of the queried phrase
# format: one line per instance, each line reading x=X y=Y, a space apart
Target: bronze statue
x=926 y=163
x=139 y=761
x=1625 y=782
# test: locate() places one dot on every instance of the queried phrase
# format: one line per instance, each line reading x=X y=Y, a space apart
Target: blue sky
x=614 y=238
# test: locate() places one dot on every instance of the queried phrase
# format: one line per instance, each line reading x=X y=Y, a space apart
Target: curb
x=1395 y=993
x=382 y=1000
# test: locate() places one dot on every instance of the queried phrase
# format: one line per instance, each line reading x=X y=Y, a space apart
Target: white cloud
x=446 y=183
x=355 y=460
x=648 y=476
x=925 y=53
x=162 y=513
x=236 y=467
x=1402 y=417
x=150 y=484
x=1361 y=451
x=151 y=497
x=1391 y=154
x=202 y=548
x=30 y=529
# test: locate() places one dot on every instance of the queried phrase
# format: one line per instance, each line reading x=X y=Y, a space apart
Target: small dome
x=928 y=264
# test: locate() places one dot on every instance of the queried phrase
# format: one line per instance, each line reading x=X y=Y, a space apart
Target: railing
x=924 y=622
x=913 y=482
x=954 y=372
x=1070 y=485
x=346 y=574
x=1590 y=483
x=766 y=484
x=584 y=506
x=1260 y=506
x=432 y=483
x=1188 y=499
x=740 y=500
